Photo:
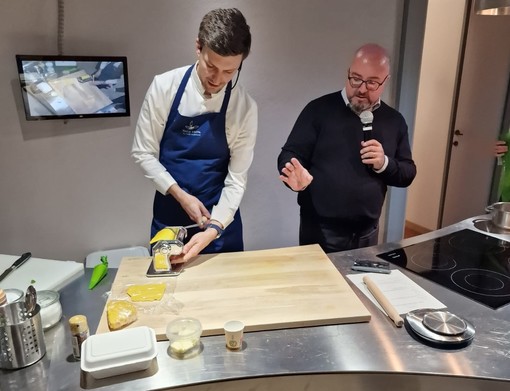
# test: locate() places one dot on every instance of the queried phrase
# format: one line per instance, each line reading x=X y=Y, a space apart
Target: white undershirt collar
x=200 y=88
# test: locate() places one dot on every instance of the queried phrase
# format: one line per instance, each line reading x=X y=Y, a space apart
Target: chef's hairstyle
x=225 y=32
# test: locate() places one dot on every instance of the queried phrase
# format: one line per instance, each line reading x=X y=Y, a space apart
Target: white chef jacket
x=241 y=132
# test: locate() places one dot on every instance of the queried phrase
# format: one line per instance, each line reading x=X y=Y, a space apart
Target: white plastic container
x=118 y=352
x=184 y=335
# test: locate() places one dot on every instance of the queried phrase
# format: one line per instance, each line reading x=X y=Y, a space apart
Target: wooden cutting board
x=266 y=289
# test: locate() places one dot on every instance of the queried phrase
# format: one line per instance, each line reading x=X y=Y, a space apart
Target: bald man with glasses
x=341 y=175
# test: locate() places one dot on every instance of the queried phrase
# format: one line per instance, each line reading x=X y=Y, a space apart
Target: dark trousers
x=332 y=236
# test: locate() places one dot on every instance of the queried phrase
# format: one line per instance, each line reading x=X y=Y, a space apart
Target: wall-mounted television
x=64 y=87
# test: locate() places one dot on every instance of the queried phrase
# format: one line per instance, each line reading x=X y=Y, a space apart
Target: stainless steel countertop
x=355 y=351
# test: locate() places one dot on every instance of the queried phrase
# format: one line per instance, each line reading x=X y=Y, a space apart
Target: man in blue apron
x=195 y=138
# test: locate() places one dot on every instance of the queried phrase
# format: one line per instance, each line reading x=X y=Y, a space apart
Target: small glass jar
x=51 y=309
x=13 y=295
x=79 y=333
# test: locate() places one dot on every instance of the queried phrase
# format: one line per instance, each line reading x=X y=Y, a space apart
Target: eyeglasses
x=371 y=85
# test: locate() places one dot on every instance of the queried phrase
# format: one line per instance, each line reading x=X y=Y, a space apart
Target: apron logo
x=191 y=130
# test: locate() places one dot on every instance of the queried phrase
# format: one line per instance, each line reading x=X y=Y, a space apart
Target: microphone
x=366 y=118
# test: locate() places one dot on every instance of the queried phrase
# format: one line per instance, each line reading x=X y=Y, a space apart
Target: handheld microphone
x=367 y=118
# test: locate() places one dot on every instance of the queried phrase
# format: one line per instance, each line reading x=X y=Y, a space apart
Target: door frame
x=453 y=117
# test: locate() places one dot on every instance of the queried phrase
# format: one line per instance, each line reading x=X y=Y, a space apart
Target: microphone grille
x=366 y=117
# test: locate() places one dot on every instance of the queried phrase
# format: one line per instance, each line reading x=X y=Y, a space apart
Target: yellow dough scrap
x=183 y=346
x=161 y=262
x=120 y=313
x=147 y=292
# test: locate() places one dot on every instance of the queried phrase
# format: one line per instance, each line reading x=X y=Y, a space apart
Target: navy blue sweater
x=326 y=139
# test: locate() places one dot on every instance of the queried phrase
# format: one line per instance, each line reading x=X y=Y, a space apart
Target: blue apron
x=195 y=151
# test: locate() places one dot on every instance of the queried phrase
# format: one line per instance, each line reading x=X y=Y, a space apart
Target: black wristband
x=217 y=228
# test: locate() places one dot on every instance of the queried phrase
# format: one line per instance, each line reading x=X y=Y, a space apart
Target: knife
x=191 y=226
x=195 y=225
x=20 y=261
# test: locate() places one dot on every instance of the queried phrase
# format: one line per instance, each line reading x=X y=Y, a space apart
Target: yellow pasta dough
x=120 y=313
x=161 y=262
x=146 y=292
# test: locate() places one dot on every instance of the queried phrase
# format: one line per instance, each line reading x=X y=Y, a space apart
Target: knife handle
x=25 y=257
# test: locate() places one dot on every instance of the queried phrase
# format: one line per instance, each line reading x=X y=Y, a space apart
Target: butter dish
x=118 y=352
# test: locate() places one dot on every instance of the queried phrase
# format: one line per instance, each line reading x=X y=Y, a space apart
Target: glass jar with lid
x=51 y=309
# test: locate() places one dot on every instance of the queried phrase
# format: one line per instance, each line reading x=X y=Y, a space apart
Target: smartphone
x=366 y=265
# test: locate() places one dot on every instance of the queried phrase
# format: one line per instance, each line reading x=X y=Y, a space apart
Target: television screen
x=61 y=87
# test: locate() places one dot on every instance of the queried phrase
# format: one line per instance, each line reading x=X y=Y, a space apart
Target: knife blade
x=196 y=225
x=191 y=226
x=20 y=261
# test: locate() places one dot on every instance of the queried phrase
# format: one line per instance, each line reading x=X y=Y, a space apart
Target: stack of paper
x=402 y=292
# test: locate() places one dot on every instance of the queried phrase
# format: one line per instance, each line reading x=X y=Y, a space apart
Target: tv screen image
x=60 y=87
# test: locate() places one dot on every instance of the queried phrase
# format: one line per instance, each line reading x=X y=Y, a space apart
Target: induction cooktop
x=470 y=263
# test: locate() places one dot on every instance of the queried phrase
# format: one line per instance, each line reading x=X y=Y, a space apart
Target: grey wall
x=411 y=47
x=68 y=189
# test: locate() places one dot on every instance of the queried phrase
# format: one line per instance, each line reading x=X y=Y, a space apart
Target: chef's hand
x=295 y=175
x=500 y=148
x=372 y=153
x=196 y=244
x=193 y=207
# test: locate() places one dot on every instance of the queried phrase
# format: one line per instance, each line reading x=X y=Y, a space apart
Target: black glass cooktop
x=470 y=263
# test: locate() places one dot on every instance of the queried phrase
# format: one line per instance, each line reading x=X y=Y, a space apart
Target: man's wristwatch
x=217 y=228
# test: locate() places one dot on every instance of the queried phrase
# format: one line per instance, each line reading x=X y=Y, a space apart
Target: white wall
x=408 y=81
x=71 y=188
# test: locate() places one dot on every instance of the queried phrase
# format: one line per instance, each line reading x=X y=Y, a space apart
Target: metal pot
x=500 y=214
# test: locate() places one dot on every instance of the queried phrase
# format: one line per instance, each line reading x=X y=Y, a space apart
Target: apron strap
x=180 y=91
x=226 y=99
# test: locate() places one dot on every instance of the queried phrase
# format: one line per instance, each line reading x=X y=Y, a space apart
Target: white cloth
x=241 y=132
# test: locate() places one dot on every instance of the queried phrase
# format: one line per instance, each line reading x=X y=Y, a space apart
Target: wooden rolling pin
x=383 y=301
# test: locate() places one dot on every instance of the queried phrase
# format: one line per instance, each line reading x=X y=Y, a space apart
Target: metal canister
x=21 y=336
x=79 y=333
